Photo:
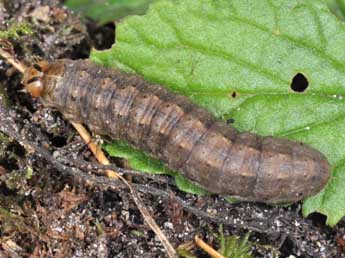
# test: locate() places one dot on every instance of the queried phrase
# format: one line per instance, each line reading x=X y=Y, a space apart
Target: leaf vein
x=322 y=38
x=316 y=50
x=224 y=55
x=310 y=125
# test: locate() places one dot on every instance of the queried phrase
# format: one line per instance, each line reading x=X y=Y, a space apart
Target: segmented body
x=184 y=136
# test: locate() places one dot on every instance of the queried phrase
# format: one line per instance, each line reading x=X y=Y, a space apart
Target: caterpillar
x=186 y=137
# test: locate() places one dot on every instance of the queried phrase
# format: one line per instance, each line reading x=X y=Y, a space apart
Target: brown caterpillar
x=185 y=137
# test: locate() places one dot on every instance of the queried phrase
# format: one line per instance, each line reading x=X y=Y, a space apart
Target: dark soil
x=50 y=206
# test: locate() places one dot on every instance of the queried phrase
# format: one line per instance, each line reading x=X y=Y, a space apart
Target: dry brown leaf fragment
x=41 y=13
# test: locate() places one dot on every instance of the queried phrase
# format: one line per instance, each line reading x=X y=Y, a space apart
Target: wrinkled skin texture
x=185 y=137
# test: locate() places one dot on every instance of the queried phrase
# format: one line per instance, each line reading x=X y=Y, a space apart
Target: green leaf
x=238 y=59
x=104 y=11
x=140 y=161
x=337 y=7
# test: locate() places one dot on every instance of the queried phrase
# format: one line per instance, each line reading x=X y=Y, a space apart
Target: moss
x=233 y=246
x=16 y=31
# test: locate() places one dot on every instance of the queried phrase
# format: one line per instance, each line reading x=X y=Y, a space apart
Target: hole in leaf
x=234 y=94
x=299 y=83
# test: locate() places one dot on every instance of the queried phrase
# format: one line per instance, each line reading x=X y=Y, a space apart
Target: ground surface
x=51 y=207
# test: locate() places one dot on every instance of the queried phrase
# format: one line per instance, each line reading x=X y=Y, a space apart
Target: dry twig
x=208 y=249
x=18 y=65
x=95 y=149
x=135 y=195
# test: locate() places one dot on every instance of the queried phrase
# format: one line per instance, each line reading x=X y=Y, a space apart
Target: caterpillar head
x=33 y=78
